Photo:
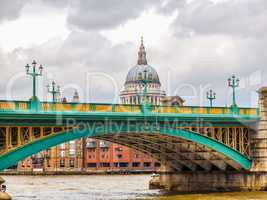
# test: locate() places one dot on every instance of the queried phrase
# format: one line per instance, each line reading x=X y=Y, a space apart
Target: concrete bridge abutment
x=191 y=182
x=254 y=179
x=259 y=138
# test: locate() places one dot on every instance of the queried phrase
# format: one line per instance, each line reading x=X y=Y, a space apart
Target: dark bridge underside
x=177 y=148
x=176 y=153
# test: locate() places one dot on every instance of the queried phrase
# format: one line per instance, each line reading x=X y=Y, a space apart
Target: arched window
x=140 y=77
x=150 y=77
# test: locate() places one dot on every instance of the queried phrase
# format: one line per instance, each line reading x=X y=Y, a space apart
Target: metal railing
x=122 y=108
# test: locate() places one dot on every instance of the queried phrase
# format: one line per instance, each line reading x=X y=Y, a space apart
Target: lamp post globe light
x=34 y=73
x=233 y=82
x=211 y=96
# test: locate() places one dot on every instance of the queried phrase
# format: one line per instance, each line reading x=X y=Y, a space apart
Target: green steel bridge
x=184 y=138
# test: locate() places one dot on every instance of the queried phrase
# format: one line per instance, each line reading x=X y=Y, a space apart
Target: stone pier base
x=190 y=182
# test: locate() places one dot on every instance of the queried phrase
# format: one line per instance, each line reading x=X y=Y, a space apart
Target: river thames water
x=103 y=188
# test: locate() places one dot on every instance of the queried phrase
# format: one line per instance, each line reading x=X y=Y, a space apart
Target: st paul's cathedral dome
x=132 y=92
x=133 y=86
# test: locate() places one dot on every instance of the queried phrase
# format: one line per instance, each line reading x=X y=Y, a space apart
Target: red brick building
x=103 y=155
x=88 y=155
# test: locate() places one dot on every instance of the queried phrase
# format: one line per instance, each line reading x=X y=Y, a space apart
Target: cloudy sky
x=90 y=45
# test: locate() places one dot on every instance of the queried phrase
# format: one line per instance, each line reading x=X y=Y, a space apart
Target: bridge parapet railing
x=123 y=108
x=14 y=105
x=208 y=110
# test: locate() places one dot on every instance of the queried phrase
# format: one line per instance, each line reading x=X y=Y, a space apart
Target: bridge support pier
x=259 y=138
x=254 y=179
x=190 y=182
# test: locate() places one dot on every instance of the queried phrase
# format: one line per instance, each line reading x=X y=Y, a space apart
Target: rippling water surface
x=103 y=187
x=78 y=187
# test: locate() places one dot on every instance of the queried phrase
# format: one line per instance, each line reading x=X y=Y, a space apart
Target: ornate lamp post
x=34 y=73
x=233 y=82
x=54 y=90
x=211 y=96
x=143 y=77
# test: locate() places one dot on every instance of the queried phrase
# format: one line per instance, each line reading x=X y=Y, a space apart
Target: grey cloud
x=208 y=61
x=57 y=3
x=167 y=7
x=211 y=42
x=10 y=10
x=95 y=15
x=246 y=18
x=85 y=60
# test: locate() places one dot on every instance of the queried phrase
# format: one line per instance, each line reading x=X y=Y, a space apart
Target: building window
x=105 y=164
x=140 y=76
x=37 y=162
x=104 y=149
x=48 y=153
x=91 y=144
x=91 y=165
x=136 y=164
x=103 y=156
x=48 y=163
x=147 y=164
x=119 y=156
x=72 y=153
x=150 y=77
x=91 y=156
x=123 y=164
x=62 y=146
x=72 y=144
x=72 y=149
x=118 y=149
x=91 y=150
x=62 y=153
x=71 y=163
x=62 y=163
x=157 y=164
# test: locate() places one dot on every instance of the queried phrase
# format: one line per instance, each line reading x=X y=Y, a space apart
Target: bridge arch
x=140 y=138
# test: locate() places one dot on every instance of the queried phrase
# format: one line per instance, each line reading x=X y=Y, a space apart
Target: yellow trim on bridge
x=122 y=108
